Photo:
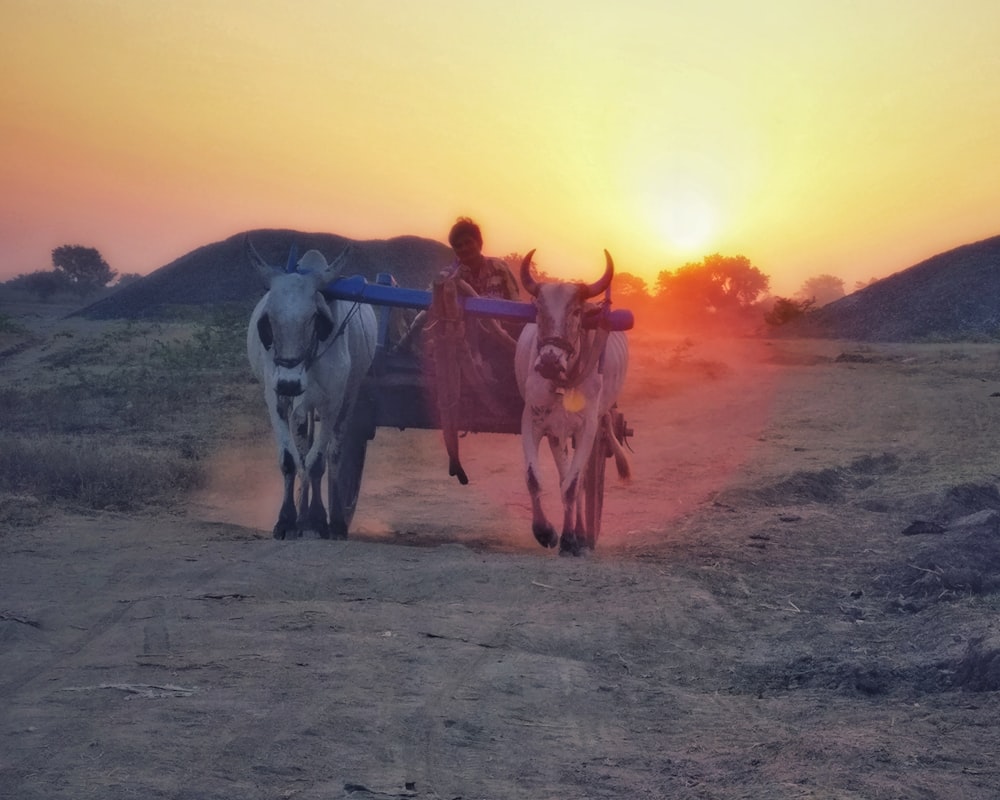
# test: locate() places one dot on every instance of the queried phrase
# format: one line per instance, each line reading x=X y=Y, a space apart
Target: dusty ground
x=796 y=597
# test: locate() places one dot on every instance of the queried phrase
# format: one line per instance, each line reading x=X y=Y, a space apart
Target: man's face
x=467 y=250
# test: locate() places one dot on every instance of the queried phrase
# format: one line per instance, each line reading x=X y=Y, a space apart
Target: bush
x=785 y=310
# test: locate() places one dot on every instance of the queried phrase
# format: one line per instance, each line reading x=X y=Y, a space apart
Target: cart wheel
x=593 y=489
x=593 y=485
x=344 y=493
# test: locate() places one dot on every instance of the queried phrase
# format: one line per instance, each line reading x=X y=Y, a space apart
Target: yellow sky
x=842 y=137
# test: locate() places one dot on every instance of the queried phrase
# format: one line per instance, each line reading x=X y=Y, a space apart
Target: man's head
x=467 y=242
x=462 y=229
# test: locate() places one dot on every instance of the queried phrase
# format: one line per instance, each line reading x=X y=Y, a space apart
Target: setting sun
x=688 y=222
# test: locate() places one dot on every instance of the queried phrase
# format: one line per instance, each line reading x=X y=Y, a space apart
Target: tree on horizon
x=822 y=289
x=84 y=266
x=717 y=286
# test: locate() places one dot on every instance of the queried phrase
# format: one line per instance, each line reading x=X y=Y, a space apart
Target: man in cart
x=471 y=270
x=487 y=277
x=490 y=277
x=469 y=356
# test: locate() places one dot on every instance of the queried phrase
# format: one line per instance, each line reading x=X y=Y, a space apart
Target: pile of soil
x=219 y=274
x=949 y=297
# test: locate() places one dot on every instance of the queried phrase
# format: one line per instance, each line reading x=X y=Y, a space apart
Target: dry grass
x=95 y=472
x=120 y=416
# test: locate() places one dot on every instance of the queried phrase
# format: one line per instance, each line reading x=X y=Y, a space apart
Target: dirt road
x=760 y=620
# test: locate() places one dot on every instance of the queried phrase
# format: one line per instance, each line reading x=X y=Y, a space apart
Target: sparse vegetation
x=786 y=309
x=98 y=427
x=95 y=472
x=8 y=325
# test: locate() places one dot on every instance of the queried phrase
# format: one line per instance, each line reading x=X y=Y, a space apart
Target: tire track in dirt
x=139 y=624
x=440 y=715
x=121 y=577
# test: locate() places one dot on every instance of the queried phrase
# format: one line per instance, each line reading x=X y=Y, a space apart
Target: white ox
x=569 y=378
x=311 y=355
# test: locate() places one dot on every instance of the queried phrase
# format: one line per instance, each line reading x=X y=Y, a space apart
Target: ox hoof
x=570 y=545
x=281 y=531
x=287 y=526
x=313 y=525
x=336 y=530
x=313 y=530
x=545 y=534
x=455 y=469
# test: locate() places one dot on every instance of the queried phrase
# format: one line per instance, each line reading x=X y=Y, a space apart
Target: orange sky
x=813 y=137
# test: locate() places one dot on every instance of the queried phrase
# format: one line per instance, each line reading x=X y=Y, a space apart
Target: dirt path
x=755 y=624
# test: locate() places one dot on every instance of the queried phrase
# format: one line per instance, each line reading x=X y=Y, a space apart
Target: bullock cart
x=402 y=391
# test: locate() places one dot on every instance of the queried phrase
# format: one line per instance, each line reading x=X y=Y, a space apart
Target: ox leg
x=324 y=453
x=544 y=533
x=286 y=516
x=568 y=541
x=303 y=428
x=573 y=539
x=280 y=409
x=310 y=440
x=315 y=518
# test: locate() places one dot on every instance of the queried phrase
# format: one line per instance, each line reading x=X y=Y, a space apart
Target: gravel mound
x=218 y=274
x=951 y=296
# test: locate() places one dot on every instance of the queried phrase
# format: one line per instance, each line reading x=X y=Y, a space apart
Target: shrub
x=785 y=310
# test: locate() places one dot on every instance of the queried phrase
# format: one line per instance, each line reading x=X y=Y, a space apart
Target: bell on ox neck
x=574 y=401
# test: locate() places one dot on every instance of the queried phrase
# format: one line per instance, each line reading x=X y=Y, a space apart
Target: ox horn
x=293 y=258
x=527 y=280
x=594 y=289
x=338 y=264
x=266 y=270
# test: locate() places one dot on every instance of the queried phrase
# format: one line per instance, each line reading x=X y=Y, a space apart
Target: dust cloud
x=698 y=408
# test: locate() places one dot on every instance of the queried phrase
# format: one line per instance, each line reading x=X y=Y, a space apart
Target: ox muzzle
x=553 y=362
x=289 y=377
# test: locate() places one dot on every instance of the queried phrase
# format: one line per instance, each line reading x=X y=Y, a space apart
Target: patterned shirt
x=493 y=280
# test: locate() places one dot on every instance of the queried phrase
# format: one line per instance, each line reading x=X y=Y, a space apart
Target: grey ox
x=569 y=378
x=311 y=355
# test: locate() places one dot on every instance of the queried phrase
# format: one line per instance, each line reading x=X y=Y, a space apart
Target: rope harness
x=591 y=355
x=313 y=352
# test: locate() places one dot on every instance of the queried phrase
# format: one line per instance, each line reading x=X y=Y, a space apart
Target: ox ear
x=264 y=331
x=265 y=270
x=323 y=321
x=324 y=326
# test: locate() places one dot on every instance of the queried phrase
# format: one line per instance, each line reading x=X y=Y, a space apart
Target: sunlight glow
x=810 y=137
x=688 y=222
